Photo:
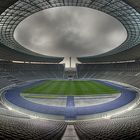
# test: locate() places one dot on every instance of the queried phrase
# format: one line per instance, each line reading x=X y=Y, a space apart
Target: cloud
x=70 y=31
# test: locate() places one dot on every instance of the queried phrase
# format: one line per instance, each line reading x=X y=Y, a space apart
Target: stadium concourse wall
x=103 y=115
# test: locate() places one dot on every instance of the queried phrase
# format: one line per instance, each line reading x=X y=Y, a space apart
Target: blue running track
x=70 y=108
x=70 y=111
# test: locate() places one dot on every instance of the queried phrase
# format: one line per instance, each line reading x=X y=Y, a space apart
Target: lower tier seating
x=109 y=129
x=12 y=128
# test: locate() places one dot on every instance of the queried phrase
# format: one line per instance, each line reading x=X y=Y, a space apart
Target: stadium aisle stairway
x=70 y=133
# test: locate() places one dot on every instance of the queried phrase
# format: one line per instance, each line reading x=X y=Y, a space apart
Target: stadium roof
x=9 y=48
x=127 y=12
x=13 y=12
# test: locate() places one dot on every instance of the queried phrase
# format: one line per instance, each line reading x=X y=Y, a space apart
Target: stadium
x=43 y=99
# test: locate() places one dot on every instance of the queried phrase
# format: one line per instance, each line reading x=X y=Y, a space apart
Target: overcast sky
x=70 y=32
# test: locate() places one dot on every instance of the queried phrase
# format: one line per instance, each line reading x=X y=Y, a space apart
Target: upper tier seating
x=12 y=73
x=122 y=72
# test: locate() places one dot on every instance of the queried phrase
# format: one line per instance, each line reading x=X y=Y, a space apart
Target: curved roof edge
x=14 y=55
x=126 y=11
x=7 y=53
x=124 y=55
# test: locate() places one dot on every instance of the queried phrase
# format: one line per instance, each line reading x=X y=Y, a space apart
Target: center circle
x=70 y=31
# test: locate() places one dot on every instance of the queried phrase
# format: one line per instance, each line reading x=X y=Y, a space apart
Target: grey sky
x=70 y=31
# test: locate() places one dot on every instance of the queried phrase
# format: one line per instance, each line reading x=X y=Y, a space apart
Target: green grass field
x=70 y=88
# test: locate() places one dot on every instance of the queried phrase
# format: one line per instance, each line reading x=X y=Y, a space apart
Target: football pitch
x=69 y=88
